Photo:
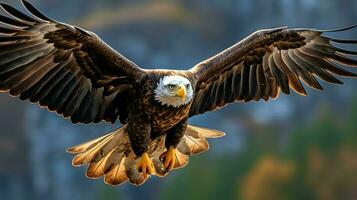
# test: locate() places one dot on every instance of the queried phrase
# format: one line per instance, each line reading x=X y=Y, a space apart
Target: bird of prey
x=73 y=72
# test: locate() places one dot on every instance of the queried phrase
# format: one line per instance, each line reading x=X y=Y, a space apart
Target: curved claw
x=169 y=158
x=145 y=165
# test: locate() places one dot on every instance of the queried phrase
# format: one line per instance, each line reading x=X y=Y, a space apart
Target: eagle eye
x=171 y=87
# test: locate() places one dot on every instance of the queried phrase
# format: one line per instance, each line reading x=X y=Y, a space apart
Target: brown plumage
x=267 y=62
x=73 y=72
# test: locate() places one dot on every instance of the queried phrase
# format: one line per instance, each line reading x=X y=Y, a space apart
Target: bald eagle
x=73 y=72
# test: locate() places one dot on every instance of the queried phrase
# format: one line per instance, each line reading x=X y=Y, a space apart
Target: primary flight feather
x=73 y=72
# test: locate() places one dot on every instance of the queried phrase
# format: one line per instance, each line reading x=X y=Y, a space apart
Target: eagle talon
x=169 y=158
x=145 y=165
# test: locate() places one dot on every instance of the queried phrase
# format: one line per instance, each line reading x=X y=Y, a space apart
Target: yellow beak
x=181 y=92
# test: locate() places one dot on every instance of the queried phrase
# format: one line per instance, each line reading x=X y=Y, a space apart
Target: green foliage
x=312 y=166
x=106 y=192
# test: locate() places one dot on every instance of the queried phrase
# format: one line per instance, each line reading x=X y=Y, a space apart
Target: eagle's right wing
x=64 y=68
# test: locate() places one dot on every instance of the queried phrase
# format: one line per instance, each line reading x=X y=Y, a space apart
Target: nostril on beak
x=181 y=92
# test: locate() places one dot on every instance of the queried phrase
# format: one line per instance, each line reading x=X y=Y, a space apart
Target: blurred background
x=291 y=148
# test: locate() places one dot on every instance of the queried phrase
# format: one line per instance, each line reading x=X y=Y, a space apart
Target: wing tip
x=6 y=7
x=17 y=14
x=12 y=11
x=34 y=11
x=320 y=31
x=3 y=6
x=339 y=29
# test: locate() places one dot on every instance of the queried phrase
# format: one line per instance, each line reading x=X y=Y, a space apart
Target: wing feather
x=270 y=61
x=63 y=68
x=17 y=14
x=12 y=22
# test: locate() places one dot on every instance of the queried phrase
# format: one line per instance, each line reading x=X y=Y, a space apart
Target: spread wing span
x=64 y=68
x=270 y=61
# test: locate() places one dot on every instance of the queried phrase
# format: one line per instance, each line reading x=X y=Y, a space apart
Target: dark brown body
x=148 y=119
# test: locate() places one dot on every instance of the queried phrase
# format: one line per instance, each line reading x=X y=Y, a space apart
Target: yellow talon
x=170 y=158
x=145 y=165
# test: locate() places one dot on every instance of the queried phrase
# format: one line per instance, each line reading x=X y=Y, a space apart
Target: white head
x=174 y=91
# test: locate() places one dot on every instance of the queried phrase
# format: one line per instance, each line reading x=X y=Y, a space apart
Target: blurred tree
x=333 y=177
x=267 y=180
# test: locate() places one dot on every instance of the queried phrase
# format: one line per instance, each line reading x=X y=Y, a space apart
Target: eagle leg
x=169 y=158
x=145 y=165
x=139 y=130
x=173 y=138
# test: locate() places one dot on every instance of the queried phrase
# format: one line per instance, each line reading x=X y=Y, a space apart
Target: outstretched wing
x=64 y=68
x=267 y=62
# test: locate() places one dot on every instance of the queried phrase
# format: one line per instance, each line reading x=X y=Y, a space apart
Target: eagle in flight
x=73 y=72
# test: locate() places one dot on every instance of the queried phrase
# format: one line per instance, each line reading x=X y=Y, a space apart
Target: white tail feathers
x=111 y=156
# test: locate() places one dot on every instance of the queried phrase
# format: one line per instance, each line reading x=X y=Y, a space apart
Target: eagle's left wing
x=267 y=62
